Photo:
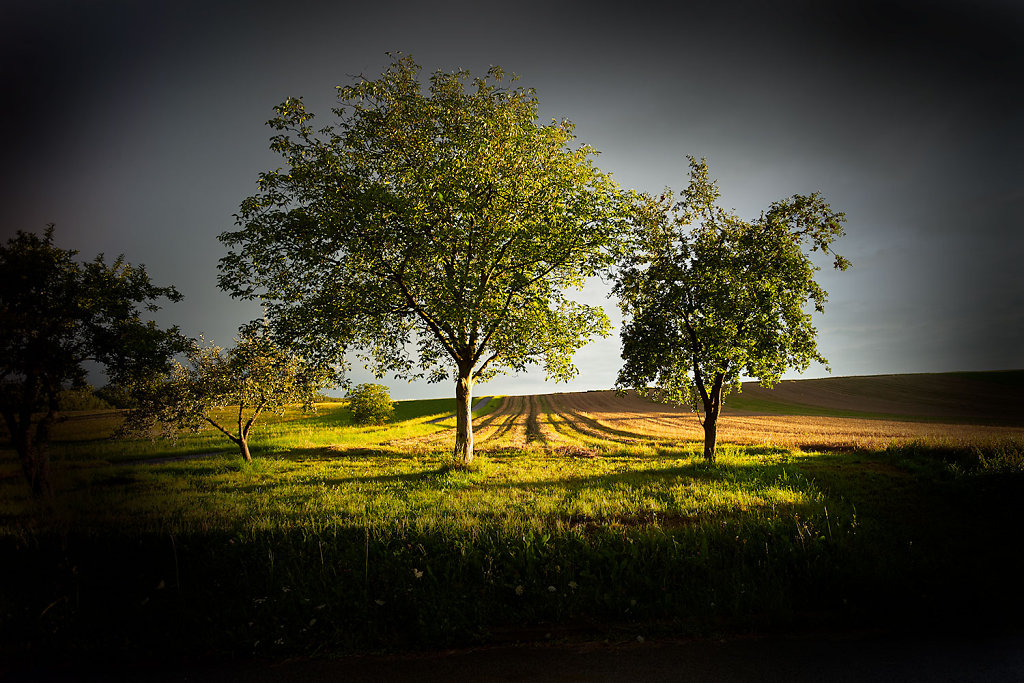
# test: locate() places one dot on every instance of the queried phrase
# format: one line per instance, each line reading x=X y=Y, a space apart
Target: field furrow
x=507 y=428
x=630 y=418
x=631 y=415
x=533 y=432
x=602 y=418
x=549 y=434
x=575 y=424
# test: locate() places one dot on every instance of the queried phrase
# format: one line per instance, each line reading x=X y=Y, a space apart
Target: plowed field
x=605 y=418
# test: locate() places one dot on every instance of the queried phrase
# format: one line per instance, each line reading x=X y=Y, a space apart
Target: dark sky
x=138 y=127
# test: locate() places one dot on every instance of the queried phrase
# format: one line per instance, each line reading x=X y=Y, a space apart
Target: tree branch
x=434 y=327
x=222 y=430
x=698 y=377
x=483 y=366
x=500 y=318
x=252 y=419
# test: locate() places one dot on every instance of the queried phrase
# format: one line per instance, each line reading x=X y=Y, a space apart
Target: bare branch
x=222 y=430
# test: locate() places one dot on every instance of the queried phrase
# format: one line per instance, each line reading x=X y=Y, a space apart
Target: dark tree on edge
x=57 y=314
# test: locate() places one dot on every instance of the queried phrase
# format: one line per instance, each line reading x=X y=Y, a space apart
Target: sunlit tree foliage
x=227 y=389
x=710 y=297
x=434 y=229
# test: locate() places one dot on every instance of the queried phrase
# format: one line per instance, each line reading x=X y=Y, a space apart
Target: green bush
x=370 y=404
x=81 y=398
x=116 y=396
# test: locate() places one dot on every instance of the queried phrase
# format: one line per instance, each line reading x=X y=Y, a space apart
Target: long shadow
x=424 y=477
x=654 y=451
x=337 y=453
x=591 y=427
x=507 y=420
x=697 y=471
x=760 y=464
x=433 y=474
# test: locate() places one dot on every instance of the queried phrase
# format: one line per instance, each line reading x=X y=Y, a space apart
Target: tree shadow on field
x=658 y=469
x=753 y=474
x=755 y=460
x=729 y=455
x=427 y=477
x=380 y=457
x=597 y=430
x=697 y=472
x=339 y=454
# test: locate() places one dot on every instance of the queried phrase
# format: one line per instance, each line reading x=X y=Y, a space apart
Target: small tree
x=242 y=382
x=437 y=230
x=709 y=296
x=57 y=314
x=370 y=404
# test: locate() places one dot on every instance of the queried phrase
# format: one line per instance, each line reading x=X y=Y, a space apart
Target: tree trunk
x=35 y=463
x=463 y=420
x=243 y=446
x=710 y=436
x=33 y=453
x=712 y=409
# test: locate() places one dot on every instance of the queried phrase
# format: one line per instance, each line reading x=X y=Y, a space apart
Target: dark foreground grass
x=324 y=550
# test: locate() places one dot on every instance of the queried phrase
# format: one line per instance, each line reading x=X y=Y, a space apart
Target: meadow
x=586 y=515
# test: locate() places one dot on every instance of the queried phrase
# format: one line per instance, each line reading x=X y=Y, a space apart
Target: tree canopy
x=57 y=315
x=710 y=297
x=227 y=389
x=436 y=231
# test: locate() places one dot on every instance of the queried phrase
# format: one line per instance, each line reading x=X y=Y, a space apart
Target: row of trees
x=439 y=230
x=58 y=316
x=436 y=231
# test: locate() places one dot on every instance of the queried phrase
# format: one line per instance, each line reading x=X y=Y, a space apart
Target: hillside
x=989 y=397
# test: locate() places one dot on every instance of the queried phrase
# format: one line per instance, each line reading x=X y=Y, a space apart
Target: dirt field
x=987 y=397
x=948 y=408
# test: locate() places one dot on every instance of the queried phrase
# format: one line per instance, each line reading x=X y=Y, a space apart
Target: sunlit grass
x=361 y=485
x=343 y=538
x=87 y=436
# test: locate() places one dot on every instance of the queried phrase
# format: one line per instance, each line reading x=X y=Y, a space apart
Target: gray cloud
x=138 y=128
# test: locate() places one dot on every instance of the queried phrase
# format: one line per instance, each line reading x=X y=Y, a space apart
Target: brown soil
x=973 y=396
x=629 y=418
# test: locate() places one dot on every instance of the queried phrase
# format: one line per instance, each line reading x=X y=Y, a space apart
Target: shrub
x=370 y=404
x=81 y=398
x=116 y=396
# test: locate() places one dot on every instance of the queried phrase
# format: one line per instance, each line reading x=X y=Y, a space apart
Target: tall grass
x=89 y=436
x=334 y=540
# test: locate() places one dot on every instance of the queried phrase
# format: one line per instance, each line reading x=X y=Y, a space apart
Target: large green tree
x=709 y=297
x=56 y=316
x=228 y=389
x=435 y=230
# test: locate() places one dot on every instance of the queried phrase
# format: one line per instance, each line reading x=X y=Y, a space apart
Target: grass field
x=589 y=514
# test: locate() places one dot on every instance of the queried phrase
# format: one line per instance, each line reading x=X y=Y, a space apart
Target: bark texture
x=30 y=441
x=712 y=399
x=463 y=455
x=243 y=446
x=710 y=437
